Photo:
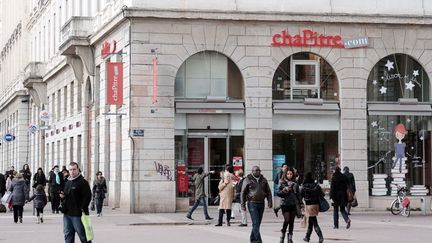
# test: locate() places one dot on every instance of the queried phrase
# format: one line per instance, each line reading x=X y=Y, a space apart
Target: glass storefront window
x=381 y=146
x=208 y=74
x=398 y=76
x=313 y=77
x=313 y=151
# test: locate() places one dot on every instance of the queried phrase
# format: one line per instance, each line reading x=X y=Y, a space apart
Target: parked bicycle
x=401 y=205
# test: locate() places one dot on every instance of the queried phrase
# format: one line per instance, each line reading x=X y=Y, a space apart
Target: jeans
x=196 y=204
x=336 y=215
x=256 y=211
x=18 y=212
x=72 y=224
x=99 y=203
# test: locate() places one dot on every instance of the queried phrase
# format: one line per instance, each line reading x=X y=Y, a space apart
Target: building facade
x=315 y=85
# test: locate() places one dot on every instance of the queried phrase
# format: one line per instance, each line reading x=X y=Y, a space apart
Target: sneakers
x=189 y=217
x=208 y=218
x=242 y=225
x=20 y=220
x=348 y=224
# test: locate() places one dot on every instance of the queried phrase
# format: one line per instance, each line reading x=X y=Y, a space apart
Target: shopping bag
x=6 y=198
x=85 y=219
x=350 y=195
x=323 y=204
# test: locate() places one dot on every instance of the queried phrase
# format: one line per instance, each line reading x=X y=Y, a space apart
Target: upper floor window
x=305 y=75
x=398 y=76
x=209 y=74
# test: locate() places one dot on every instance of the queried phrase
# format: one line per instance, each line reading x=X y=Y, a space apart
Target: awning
x=210 y=107
x=396 y=109
x=306 y=109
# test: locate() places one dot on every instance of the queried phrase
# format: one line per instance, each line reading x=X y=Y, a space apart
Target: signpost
x=9 y=137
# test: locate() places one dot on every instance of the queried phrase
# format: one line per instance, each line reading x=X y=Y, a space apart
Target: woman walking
x=226 y=193
x=289 y=193
x=19 y=196
x=338 y=195
x=40 y=200
x=311 y=192
x=26 y=173
x=99 y=190
x=39 y=178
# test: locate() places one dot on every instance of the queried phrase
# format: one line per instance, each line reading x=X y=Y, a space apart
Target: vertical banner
x=154 y=98
x=278 y=161
x=114 y=83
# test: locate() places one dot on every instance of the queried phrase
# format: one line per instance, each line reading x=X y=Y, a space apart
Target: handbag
x=85 y=220
x=350 y=195
x=354 y=203
x=6 y=197
x=323 y=204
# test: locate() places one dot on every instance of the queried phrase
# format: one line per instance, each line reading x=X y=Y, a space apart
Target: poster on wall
x=182 y=178
x=278 y=161
x=114 y=83
x=237 y=163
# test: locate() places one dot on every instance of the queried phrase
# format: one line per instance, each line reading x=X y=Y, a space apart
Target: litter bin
x=423 y=206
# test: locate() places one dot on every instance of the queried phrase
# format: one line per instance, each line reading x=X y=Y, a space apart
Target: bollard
x=423 y=206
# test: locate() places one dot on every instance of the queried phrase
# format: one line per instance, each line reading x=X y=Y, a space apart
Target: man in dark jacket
x=76 y=198
x=338 y=195
x=200 y=196
x=351 y=185
x=254 y=191
x=56 y=183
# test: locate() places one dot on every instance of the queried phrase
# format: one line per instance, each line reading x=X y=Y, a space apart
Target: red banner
x=114 y=83
x=182 y=179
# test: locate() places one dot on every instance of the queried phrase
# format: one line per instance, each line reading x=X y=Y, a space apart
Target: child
x=40 y=200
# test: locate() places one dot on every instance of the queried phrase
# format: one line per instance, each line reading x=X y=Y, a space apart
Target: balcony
x=75 y=33
x=34 y=83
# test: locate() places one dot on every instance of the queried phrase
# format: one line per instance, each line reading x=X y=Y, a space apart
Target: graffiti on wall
x=164 y=170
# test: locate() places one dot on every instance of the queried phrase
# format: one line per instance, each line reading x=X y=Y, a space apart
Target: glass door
x=217 y=159
x=196 y=159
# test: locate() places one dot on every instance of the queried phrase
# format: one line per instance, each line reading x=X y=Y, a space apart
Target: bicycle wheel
x=395 y=208
x=406 y=211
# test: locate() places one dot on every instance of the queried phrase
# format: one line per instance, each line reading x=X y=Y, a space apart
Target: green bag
x=85 y=219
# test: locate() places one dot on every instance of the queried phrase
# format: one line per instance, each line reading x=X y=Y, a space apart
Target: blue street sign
x=9 y=137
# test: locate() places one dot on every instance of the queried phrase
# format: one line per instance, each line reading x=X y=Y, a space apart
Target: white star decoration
x=408 y=120
x=416 y=73
x=409 y=85
x=374 y=82
x=374 y=124
x=389 y=65
x=383 y=90
x=422 y=138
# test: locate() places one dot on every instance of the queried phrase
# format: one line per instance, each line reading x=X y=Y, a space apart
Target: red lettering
x=307 y=38
x=337 y=41
x=297 y=40
x=276 y=41
x=286 y=38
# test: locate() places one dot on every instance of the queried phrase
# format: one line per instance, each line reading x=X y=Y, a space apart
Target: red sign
x=182 y=179
x=114 y=83
x=107 y=49
x=307 y=38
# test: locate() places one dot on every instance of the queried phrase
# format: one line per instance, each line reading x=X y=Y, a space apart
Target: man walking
x=76 y=198
x=200 y=196
x=255 y=190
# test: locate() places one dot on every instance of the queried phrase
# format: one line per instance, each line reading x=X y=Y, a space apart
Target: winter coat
x=199 y=184
x=2 y=184
x=290 y=197
x=99 y=188
x=338 y=189
x=311 y=192
x=27 y=176
x=40 y=199
x=77 y=196
x=351 y=181
x=54 y=186
x=255 y=191
x=238 y=188
x=226 y=191
x=19 y=192
x=39 y=180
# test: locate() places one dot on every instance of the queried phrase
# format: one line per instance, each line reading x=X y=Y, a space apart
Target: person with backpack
x=40 y=201
x=311 y=193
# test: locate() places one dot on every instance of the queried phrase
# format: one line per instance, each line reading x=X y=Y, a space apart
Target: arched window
x=305 y=75
x=398 y=76
x=399 y=125
x=209 y=74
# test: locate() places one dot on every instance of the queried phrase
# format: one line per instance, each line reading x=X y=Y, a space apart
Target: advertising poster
x=278 y=161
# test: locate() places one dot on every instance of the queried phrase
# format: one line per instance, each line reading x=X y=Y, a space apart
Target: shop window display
x=208 y=74
x=399 y=147
x=305 y=75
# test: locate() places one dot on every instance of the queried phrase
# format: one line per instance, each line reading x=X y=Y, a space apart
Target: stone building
x=315 y=84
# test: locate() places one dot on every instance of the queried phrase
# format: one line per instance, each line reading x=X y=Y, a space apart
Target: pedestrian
x=277 y=200
x=76 y=198
x=338 y=195
x=19 y=196
x=2 y=185
x=236 y=203
x=255 y=190
x=226 y=194
x=39 y=178
x=40 y=201
x=9 y=180
x=289 y=192
x=311 y=192
x=65 y=174
x=351 y=185
x=99 y=190
x=56 y=186
x=26 y=173
x=200 y=197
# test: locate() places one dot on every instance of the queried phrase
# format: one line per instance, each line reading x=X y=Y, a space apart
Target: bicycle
x=401 y=205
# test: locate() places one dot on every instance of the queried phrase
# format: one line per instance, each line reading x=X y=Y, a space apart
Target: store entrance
x=211 y=152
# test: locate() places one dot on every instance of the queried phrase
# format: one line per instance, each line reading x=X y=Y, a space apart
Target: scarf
x=57 y=178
